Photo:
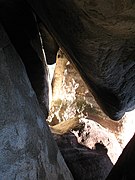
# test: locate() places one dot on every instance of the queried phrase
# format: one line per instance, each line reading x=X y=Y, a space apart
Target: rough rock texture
x=93 y=133
x=90 y=133
x=84 y=163
x=27 y=149
x=71 y=98
x=99 y=37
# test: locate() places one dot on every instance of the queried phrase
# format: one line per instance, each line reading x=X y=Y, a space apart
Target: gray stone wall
x=27 y=149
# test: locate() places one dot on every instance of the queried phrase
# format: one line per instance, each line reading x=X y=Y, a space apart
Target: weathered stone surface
x=84 y=163
x=27 y=148
x=71 y=98
x=93 y=133
x=89 y=134
x=99 y=37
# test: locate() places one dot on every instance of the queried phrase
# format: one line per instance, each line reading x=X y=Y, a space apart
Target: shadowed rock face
x=27 y=148
x=84 y=163
x=21 y=26
x=124 y=167
x=99 y=37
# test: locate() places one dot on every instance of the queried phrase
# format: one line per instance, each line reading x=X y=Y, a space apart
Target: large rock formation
x=71 y=98
x=71 y=102
x=84 y=163
x=99 y=38
x=27 y=149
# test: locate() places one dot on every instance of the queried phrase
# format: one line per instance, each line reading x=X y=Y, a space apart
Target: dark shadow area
x=124 y=167
x=84 y=163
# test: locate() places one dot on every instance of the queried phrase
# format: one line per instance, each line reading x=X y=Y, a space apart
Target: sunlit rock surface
x=71 y=99
x=70 y=95
x=93 y=133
